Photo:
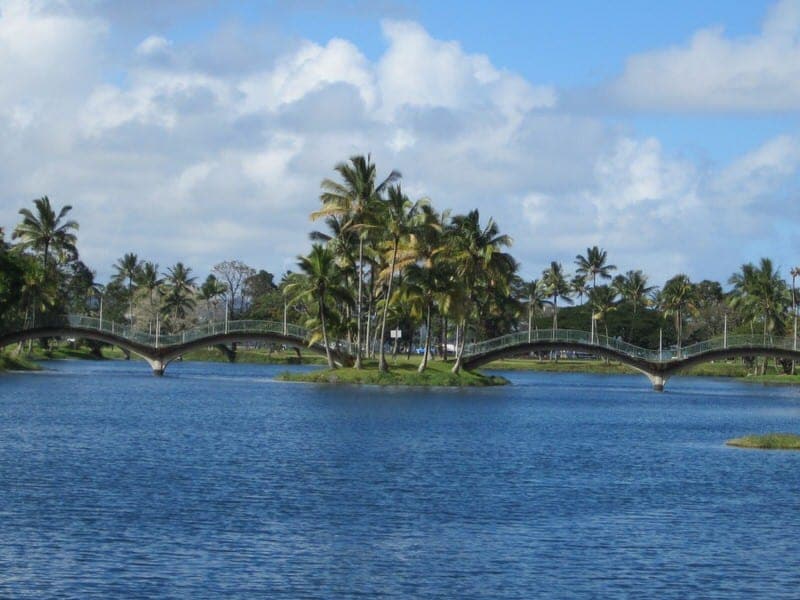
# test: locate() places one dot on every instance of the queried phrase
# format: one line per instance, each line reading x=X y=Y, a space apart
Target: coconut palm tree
x=211 y=289
x=603 y=301
x=179 y=300
x=579 y=287
x=556 y=286
x=593 y=264
x=401 y=216
x=633 y=288
x=795 y=272
x=355 y=199
x=45 y=231
x=676 y=299
x=149 y=280
x=535 y=295
x=479 y=265
x=762 y=290
x=128 y=268
x=320 y=281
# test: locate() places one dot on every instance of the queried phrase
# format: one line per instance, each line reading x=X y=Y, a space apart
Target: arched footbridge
x=161 y=349
x=657 y=365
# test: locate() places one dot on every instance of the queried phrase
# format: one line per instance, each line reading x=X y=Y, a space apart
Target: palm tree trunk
x=382 y=363
x=396 y=344
x=460 y=350
x=357 y=364
x=443 y=337
x=530 y=318
x=424 y=363
x=331 y=364
x=555 y=315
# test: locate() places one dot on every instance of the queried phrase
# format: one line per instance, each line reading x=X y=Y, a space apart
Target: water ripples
x=211 y=482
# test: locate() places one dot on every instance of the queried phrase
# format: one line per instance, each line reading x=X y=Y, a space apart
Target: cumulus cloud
x=714 y=72
x=182 y=158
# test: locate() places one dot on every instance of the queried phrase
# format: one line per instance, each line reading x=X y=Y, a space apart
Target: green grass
x=557 y=366
x=716 y=369
x=404 y=372
x=9 y=362
x=768 y=441
x=256 y=357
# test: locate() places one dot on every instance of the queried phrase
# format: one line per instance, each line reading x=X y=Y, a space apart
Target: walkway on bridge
x=658 y=365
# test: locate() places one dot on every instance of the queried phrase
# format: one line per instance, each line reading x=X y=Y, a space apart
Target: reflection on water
x=217 y=481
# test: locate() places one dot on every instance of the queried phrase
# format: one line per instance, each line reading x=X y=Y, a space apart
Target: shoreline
x=402 y=364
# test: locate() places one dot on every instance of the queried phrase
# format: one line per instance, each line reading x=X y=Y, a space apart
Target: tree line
x=383 y=263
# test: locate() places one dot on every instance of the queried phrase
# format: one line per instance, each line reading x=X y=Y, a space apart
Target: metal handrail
x=572 y=336
x=200 y=331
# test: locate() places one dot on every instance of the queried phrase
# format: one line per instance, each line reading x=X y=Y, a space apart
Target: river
x=216 y=481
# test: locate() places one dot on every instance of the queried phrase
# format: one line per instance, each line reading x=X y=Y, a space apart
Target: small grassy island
x=768 y=441
x=437 y=374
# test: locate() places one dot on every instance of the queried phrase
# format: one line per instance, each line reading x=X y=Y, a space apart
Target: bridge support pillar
x=157 y=365
x=230 y=353
x=658 y=381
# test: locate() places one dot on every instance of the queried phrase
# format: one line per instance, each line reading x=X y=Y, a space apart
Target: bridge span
x=161 y=349
x=658 y=365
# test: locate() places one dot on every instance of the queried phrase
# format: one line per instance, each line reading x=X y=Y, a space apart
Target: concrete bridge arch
x=160 y=358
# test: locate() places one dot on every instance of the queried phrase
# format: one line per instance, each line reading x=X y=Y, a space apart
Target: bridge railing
x=601 y=341
x=202 y=330
x=197 y=332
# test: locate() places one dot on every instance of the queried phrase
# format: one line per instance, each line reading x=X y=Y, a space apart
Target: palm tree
x=425 y=275
x=321 y=280
x=633 y=288
x=401 y=215
x=578 y=287
x=355 y=200
x=179 y=300
x=128 y=267
x=535 y=293
x=676 y=298
x=149 y=280
x=479 y=264
x=555 y=285
x=45 y=231
x=762 y=290
x=795 y=272
x=211 y=289
x=592 y=265
x=602 y=300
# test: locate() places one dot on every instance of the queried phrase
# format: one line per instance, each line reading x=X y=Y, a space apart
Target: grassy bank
x=9 y=362
x=768 y=441
x=717 y=369
x=403 y=372
x=256 y=357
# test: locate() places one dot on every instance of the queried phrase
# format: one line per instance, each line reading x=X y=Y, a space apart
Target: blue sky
x=667 y=133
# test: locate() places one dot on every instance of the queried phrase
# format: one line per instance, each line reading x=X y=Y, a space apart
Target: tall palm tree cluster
x=385 y=260
x=383 y=270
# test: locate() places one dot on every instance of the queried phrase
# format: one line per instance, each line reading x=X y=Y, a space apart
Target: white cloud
x=420 y=71
x=154 y=44
x=714 y=72
x=176 y=160
x=308 y=69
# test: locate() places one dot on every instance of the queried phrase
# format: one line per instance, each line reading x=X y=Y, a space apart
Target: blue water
x=216 y=481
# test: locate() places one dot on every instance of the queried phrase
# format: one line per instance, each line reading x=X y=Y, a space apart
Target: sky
x=666 y=133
